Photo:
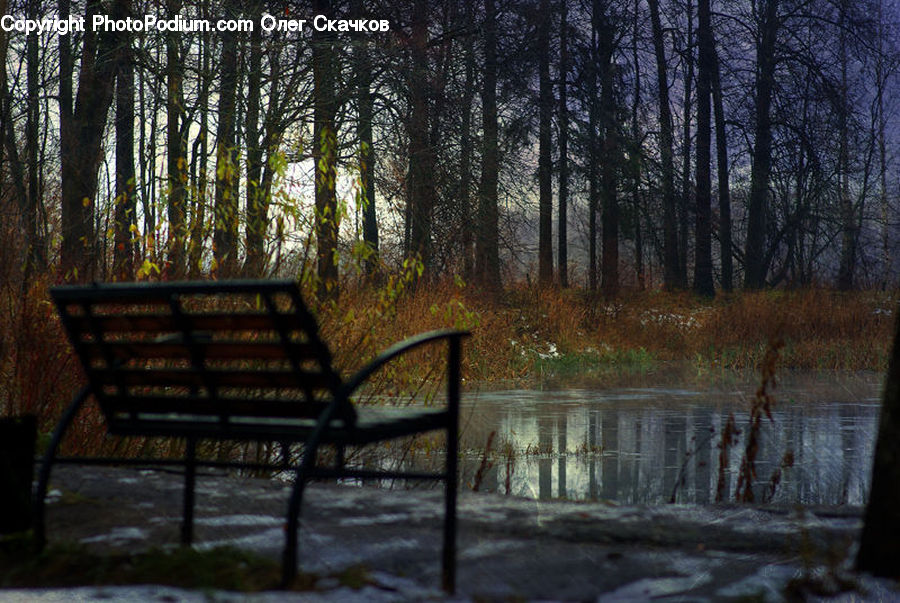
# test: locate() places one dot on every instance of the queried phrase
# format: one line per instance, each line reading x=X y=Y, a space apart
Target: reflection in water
x=649 y=445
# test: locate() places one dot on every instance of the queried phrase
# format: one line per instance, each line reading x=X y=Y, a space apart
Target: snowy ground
x=509 y=549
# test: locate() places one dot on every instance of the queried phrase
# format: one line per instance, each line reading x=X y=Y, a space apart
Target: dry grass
x=525 y=334
x=822 y=330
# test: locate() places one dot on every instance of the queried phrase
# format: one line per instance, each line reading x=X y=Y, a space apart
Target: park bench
x=238 y=361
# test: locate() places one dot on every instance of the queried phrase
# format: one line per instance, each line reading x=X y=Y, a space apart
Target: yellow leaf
x=86 y=202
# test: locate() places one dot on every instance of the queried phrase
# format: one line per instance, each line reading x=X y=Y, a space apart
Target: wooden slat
x=261 y=379
x=167 y=323
x=218 y=350
x=145 y=426
x=131 y=292
x=289 y=409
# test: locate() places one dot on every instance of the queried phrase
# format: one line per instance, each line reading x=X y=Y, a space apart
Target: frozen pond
x=643 y=444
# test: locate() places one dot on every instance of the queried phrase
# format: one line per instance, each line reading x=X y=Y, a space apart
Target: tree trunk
x=562 y=220
x=755 y=265
x=703 y=277
x=225 y=234
x=465 y=160
x=881 y=83
x=545 y=185
x=81 y=136
x=16 y=167
x=256 y=226
x=725 y=240
x=366 y=108
x=325 y=157
x=200 y=152
x=176 y=147
x=487 y=257
x=125 y=215
x=273 y=130
x=420 y=177
x=670 y=234
x=593 y=159
x=684 y=200
x=37 y=256
x=638 y=157
x=609 y=266
x=847 y=213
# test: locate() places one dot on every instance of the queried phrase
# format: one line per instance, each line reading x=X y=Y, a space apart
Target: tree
x=725 y=241
x=563 y=207
x=755 y=263
x=593 y=149
x=703 y=277
x=670 y=234
x=37 y=251
x=365 y=113
x=327 y=219
x=545 y=162
x=636 y=157
x=176 y=143
x=466 y=148
x=849 y=229
x=226 y=201
x=610 y=152
x=684 y=199
x=81 y=136
x=255 y=260
x=884 y=66
x=420 y=176
x=125 y=213
x=11 y=149
x=200 y=153
x=487 y=256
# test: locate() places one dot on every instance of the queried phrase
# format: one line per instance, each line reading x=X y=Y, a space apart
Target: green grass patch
x=226 y=568
x=593 y=362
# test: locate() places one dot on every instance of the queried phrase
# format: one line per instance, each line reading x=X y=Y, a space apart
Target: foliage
x=525 y=336
x=762 y=405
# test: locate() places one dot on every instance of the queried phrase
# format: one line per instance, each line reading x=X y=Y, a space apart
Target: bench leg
x=289 y=558
x=448 y=562
x=340 y=457
x=190 y=479
x=43 y=483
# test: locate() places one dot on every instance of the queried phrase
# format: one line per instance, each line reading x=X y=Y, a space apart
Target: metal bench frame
x=160 y=363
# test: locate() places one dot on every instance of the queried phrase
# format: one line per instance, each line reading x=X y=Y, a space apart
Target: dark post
x=190 y=473
x=453 y=379
x=17 y=436
x=879 y=546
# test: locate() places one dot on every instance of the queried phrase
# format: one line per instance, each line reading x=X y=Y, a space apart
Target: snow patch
x=650 y=588
x=117 y=535
x=239 y=520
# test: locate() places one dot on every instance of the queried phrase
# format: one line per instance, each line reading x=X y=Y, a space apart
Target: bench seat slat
x=168 y=323
x=261 y=379
x=211 y=350
x=141 y=292
x=192 y=405
x=373 y=429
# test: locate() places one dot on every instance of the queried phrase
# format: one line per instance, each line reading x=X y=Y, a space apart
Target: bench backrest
x=227 y=354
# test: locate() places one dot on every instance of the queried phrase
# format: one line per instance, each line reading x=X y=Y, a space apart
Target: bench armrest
x=343 y=394
x=392 y=352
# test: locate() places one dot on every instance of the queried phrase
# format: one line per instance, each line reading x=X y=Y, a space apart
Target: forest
x=582 y=184
x=597 y=144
